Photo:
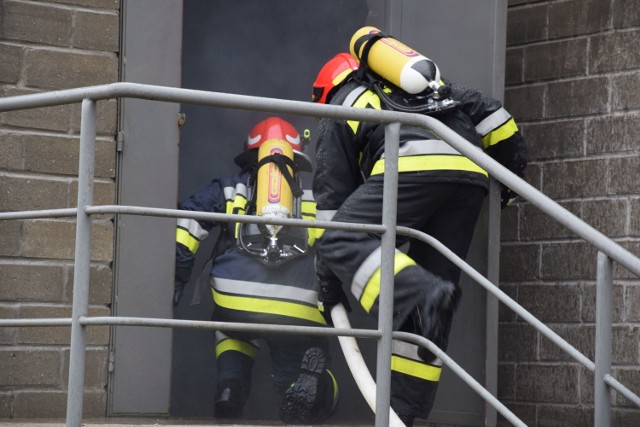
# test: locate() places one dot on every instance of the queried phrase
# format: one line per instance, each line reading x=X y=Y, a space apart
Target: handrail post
x=604 y=320
x=82 y=263
x=388 y=245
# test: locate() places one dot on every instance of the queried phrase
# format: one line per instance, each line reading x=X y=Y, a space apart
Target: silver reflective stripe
x=325 y=215
x=365 y=271
x=307 y=195
x=228 y=193
x=410 y=351
x=221 y=336
x=493 y=122
x=353 y=96
x=193 y=227
x=425 y=146
x=264 y=290
x=241 y=189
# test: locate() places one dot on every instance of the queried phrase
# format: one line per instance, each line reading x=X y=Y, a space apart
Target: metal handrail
x=608 y=250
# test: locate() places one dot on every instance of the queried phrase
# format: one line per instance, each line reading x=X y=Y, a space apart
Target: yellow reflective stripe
x=309 y=213
x=229 y=206
x=183 y=236
x=336 y=392
x=268 y=306
x=372 y=288
x=367 y=98
x=415 y=368
x=503 y=132
x=431 y=162
x=236 y=345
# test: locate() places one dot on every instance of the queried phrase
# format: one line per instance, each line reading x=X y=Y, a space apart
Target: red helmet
x=331 y=75
x=268 y=129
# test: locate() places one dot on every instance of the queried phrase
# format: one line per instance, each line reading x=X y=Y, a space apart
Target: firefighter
x=440 y=192
x=262 y=274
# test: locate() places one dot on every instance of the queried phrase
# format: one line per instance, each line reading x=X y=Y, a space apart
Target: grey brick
x=65 y=70
x=22 y=194
x=36 y=23
x=555 y=140
x=626 y=14
x=11 y=152
x=106 y=117
x=505 y=314
x=11 y=63
x=103 y=194
x=634 y=217
x=100 y=285
x=555 y=60
x=625 y=345
x=95 y=372
x=59 y=155
x=564 y=416
x=518 y=263
x=607 y=216
x=536 y=225
x=586 y=386
x=526 y=413
x=96 y=335
x=517 y=343
x=11 y=242
x=525 y=103
x=527 y=24
x=576 y=17
x=40 y=404
x=7 y=335
x=615 y=51
x=551 y=303
x=589 y=303
x=613 y=134
x=568 y=261
x=506 y=381
x=631 y=379
x=86 y=36
x=577 y=97
x=581 y=337
x=623 y=175
x=547 y=383
x=570 y=179
x=625 y=418
x=31 y=282
x=56 y=239
x=514 y=66
x=49 y=118
x=103 y=4
x=632 y=298
x=626 y=92
x=5 y=405
x=509 y=224
x=533 y=175
x=30 y=367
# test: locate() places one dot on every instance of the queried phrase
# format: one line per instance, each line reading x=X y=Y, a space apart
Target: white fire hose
x=356 y=364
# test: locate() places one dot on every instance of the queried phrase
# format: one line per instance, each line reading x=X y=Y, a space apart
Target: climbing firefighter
x=262 y=274
x=440 y=192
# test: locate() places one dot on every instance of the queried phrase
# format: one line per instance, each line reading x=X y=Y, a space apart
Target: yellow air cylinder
x=396 y=62
x=274 y=196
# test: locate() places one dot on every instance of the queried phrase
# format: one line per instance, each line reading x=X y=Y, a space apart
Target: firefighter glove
x=329 y=296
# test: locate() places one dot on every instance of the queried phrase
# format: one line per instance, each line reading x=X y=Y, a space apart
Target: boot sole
x=301 y=396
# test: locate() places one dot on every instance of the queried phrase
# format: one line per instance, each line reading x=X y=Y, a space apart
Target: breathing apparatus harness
x=274 y=244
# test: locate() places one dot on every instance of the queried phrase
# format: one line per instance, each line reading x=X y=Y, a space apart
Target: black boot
x=406 y=419
x=229 y=400
x=304 y=401
x=437 y=316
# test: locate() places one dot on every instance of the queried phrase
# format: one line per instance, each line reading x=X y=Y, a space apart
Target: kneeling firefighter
x=440 y=192
x=262 y=274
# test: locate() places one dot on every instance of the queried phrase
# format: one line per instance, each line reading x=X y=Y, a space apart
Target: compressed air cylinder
x=274 y=196
x=396 y=62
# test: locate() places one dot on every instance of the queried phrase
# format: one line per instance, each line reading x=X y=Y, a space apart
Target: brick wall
x=573 y=83
x=44 y=46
